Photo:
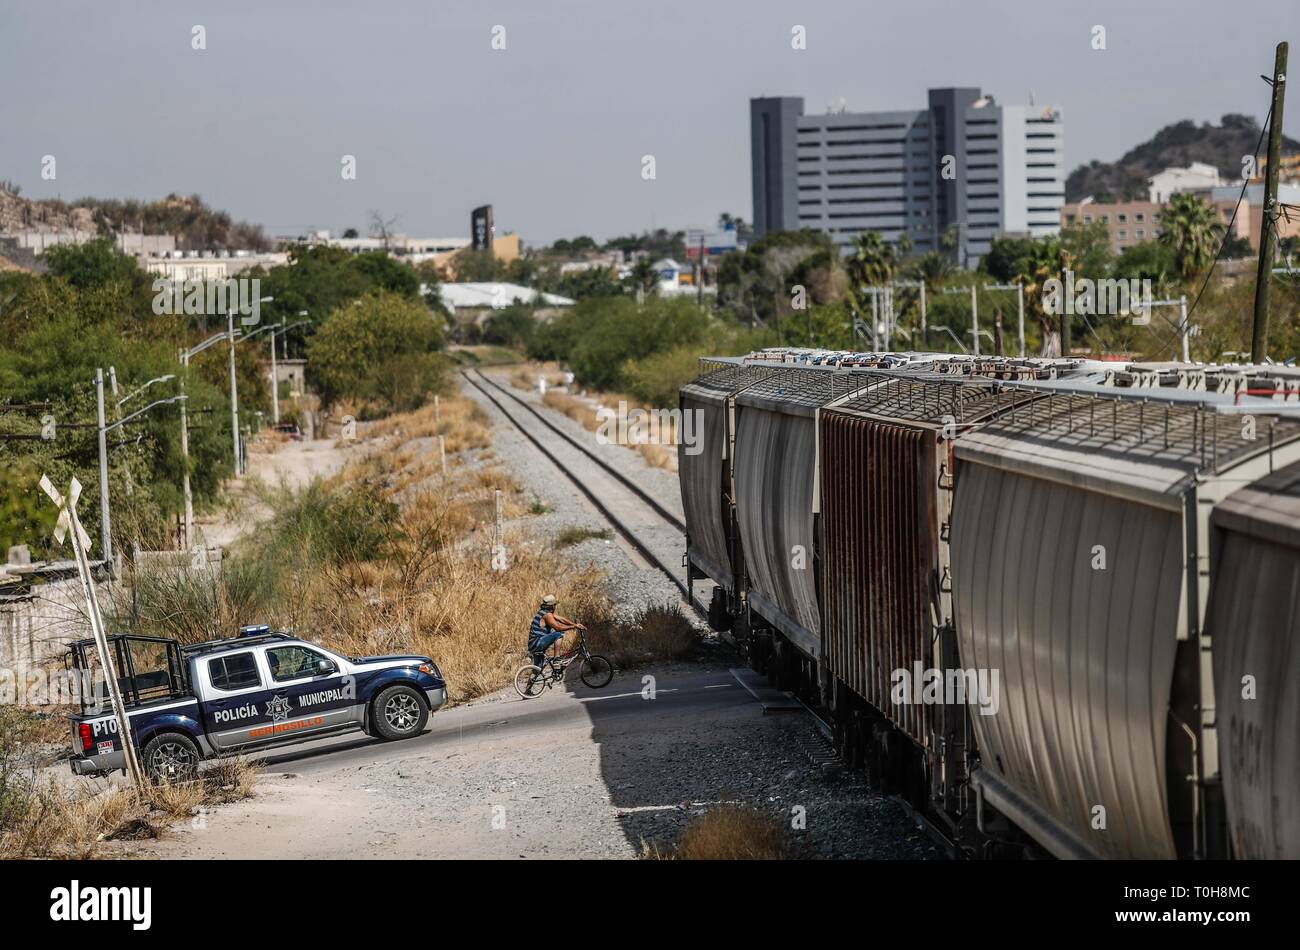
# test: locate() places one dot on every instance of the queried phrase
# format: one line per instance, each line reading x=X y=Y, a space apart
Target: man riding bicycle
x=546 y=628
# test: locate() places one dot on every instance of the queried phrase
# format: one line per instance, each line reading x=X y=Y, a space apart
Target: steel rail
x=609 y=469
x=619 y=525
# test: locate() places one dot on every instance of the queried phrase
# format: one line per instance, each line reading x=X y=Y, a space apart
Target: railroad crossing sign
x=69 y=526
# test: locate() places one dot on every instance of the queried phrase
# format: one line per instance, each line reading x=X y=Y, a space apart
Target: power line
x=1227 y=230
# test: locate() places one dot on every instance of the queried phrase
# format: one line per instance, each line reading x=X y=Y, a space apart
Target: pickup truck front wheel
x=398 y=713
x=170 y=757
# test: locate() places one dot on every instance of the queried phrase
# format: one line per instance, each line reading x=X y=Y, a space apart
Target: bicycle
x=596 y=671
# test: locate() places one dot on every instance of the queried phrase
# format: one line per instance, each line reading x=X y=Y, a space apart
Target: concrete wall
x=35 y=630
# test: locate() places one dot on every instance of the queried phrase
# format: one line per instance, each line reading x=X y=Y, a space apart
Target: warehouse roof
x=496 y=295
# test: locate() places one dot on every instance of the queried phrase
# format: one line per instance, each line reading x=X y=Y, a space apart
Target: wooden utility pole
x=1267 y=238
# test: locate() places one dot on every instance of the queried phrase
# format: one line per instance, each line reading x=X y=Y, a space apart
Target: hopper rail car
x=1025 y=594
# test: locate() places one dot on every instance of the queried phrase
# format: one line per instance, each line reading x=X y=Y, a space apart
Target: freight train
x=1052 y=605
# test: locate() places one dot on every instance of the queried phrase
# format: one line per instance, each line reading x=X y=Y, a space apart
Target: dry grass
x=57 y=822
x=577 y=409
x=657 y=633
x=571 y=536
x=461 y=423
x=584 y=412
x=526 y=376
x=436 y=591
x=730 y=832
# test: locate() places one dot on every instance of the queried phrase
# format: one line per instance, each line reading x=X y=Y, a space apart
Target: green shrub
x=382 y=351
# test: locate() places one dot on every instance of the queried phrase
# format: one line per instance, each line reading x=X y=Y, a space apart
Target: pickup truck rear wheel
x=170 y=757
x=399 y=712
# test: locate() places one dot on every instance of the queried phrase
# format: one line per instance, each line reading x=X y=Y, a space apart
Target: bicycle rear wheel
x=530 y=682
x=596 y=671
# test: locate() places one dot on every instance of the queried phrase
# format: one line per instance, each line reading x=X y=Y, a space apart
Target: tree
x=590 y=282
x=1046 y=260
x=1005 y=258
x=381 y=227
x=1089 y=248
x=644 y=277
x=93 y=264
x=476 y=266
x=1148 y=260
x=870 y=264
x=350 y=233
x=756 y=284
x=934 y=270
x=574 y=247
x=871 y=261
x=381 y=351
x=1190 y=228
x=513 y=326
x=321 y=279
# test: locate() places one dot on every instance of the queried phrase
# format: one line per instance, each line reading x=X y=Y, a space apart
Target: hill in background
x=195 y=225
x=1179 y=144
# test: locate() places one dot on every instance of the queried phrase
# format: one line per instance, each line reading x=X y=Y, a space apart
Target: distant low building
x=1252 y=208
x=494 y=295
x=1195 y=177
x=210 y=266
x=1131 y=222
x=39 y=240
x=292 y=377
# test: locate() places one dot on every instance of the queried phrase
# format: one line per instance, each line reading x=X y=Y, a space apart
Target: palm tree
x=871 y=264
x=1045 y=260
x=933 y=269
x=1191 y=229
x=644 y=277
x=872 y=260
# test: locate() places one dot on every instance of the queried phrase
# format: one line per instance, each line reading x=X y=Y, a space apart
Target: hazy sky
x=552 y=129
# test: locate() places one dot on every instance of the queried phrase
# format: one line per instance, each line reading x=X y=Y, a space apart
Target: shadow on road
x=678 y=743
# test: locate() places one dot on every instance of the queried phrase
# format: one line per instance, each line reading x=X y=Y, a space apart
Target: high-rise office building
x=963 y=165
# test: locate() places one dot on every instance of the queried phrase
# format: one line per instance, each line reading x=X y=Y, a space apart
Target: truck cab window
x=292 y=663
x=237 y=671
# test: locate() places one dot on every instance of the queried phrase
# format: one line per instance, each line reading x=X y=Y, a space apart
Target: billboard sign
x=717 y=241
x=480 y=228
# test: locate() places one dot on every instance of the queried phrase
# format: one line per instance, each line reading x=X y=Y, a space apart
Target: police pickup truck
x=257 y=690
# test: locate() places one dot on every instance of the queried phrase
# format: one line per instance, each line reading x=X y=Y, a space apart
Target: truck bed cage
x=164 y=678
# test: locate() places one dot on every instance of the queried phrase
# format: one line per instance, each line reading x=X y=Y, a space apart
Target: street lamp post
x=234 y=385
x=105 y=527
x=275 y=386
x=185 y=455
x=186 y=356
x=105 y=522
x=234 y=388
x=135 y=392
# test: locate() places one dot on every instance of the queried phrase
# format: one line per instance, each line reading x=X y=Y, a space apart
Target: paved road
x=573 y=774
x=619 y=707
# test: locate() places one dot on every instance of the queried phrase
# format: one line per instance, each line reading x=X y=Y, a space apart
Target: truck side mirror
x=325 y=668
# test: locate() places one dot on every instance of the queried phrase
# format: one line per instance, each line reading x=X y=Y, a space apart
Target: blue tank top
x=537 y=629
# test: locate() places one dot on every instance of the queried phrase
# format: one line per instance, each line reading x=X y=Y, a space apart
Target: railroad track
x=511 y=406
x=487 y=386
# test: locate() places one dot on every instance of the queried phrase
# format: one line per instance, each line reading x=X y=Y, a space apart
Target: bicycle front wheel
x=530 y=682
x=597 y=671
